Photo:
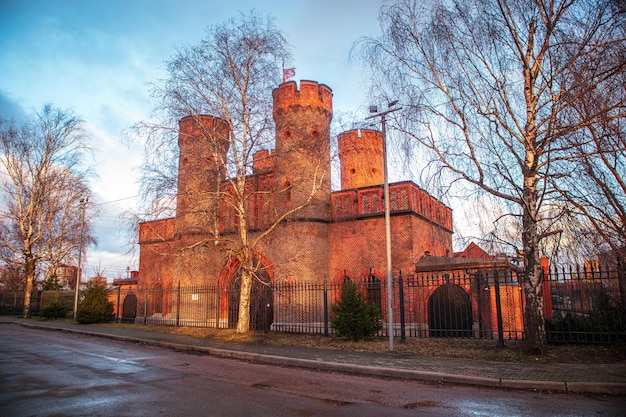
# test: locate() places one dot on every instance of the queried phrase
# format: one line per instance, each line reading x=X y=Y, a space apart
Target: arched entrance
x=261 y=300
x=450 y=312
x=129 y=308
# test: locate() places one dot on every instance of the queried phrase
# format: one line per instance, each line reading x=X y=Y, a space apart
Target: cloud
x=11 y=109
x=97 y=57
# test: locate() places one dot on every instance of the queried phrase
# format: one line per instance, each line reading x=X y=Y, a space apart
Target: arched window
x=287 y=190
x=373 y=291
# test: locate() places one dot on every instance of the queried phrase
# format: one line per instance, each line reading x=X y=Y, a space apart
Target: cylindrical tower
x=302 y=173
x=303 y=147
x=203 y=142
x=361 y=158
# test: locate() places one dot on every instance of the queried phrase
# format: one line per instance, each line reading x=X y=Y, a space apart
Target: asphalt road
x=45 y=373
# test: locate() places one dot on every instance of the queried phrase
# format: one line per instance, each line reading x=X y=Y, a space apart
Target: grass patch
x=476 y=349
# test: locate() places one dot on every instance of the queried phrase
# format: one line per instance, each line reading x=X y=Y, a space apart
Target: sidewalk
x=577 y=378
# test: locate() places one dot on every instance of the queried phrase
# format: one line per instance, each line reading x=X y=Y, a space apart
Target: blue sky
x=96 y=57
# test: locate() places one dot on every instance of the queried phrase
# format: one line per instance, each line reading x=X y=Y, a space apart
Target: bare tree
x=596 y=193
x=487 y=88
x=62 y=239
x=596 y=185
x=11 y=276
x=229 y=76
x=43 y=172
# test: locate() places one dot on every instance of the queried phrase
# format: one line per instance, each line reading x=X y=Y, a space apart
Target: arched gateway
x=450 y=312
x=129 y=309
x=261 y=296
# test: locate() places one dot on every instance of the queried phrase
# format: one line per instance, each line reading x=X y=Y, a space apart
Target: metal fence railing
x=586 y=304
x=581 y=305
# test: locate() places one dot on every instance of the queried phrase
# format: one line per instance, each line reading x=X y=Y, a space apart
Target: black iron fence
x=13 y=302
x=581 y=305
x=586 y=305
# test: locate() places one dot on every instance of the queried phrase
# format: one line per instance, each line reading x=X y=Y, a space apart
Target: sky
x=97 y=57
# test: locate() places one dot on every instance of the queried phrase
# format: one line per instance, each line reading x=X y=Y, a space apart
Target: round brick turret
x=311 y=95
x=302 y=167
x=203 y=142
x=361 y=158
x=303 y=146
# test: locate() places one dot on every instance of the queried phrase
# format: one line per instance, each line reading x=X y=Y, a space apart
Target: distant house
x=125 y=307
x=66 y=276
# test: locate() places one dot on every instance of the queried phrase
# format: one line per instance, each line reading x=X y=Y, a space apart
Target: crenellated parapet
x=202 y=127
x=404 y=197
x=311 y=95
x=156 y=231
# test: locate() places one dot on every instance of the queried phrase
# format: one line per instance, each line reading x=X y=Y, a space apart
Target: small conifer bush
x=54 y=310
x=95 y=307
x=355 y=318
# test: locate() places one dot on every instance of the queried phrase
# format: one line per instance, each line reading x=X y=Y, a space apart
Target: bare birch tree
x=486 y=87
x=229 y=75
x=595 y=192
x=42 y=174
x=595 y=186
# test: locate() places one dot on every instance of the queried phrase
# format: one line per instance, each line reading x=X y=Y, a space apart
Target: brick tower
x=203 y=141
x=361 y=158
x=302 y=120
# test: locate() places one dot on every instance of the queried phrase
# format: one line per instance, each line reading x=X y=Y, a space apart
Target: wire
x=115 y=201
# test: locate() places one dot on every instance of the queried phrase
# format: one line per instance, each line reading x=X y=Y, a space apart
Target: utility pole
x=83 y=204
x=382 y=115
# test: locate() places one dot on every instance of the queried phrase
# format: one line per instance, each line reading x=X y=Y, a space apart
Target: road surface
x=49 y=373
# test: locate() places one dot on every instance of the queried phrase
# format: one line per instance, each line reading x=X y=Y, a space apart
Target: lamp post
x=382 y=115
x=83 y=203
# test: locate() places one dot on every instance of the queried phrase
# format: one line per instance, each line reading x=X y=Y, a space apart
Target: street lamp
x=382 y=115
x=83 y=203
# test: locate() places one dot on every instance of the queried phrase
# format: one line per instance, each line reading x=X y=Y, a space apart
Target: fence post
x=621 y=281
x=178 y=305
x=402 y=322
x=266 y=324
x=496 y=282
x=145 y=307
x=325 y=309
x=218 y=293
x=117 y=312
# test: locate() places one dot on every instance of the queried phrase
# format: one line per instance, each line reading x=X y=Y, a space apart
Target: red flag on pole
x=288 y=73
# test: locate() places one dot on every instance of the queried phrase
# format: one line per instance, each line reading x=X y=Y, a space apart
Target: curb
x=582 y=387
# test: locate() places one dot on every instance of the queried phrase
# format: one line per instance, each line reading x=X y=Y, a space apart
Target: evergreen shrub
x=355 y=318
x=95 y=307
x=54 y=310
